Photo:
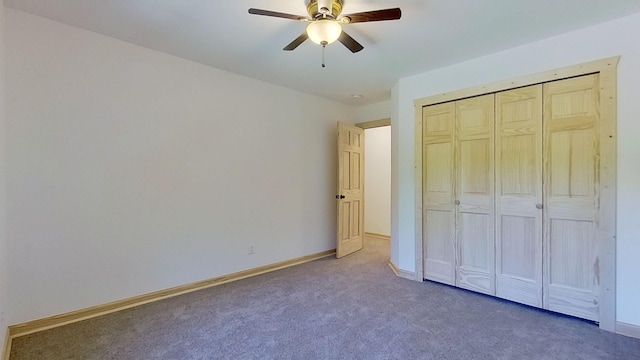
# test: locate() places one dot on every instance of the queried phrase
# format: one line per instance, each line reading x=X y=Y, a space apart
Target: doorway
x=377 y=180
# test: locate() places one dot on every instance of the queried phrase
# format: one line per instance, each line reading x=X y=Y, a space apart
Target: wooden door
x=571 y=169
x=438 y=200
x=350 y=195
x=474 y=154
x=519 y=195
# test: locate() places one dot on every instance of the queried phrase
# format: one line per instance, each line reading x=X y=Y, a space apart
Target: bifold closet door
x=474 y=193
x=519 y=195
x=438 y=123
x=571 y=168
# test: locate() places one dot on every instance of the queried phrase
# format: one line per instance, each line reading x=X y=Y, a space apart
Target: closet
x=510 y=194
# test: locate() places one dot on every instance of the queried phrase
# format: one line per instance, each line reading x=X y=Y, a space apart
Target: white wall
x=377 y=180
x=132 y=171
x=619 y=37
x=4 y=289
x=375 y=111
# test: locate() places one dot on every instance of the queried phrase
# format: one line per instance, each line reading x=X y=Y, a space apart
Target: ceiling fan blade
x=376 y=15
x=295 y=43
x=350 y=42
x=276 y=14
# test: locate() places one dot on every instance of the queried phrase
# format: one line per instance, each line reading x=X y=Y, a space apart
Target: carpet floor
x=349 y=308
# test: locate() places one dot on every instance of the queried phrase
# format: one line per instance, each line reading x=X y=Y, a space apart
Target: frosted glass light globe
x=324 y=31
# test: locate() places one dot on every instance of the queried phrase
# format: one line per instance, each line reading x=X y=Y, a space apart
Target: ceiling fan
x=325 y=23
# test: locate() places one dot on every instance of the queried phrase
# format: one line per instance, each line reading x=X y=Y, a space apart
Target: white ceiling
x=431 y=34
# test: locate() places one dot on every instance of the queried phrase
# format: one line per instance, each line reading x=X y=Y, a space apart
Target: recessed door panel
x=346 y=175
x=438 y=121
x=439 y=250
x=474 y=254
x=519 y=247
x=345 y=224
x=475 y=166
x=356 y=170
x=571 y=244
x=438 y=168
x=572 y=172
x=519 y=165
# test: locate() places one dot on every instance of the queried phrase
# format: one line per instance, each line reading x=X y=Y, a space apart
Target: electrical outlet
x=252 y=249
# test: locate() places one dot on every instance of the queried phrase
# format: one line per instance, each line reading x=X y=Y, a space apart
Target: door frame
x=370 y=125
x=606 y=233
x=374 y=124
x=364 y=126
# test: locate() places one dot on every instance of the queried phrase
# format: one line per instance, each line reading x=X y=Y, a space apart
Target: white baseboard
x=410 y=275
x=628 y=329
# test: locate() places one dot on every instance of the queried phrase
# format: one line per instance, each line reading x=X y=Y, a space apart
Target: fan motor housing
x=314 y=12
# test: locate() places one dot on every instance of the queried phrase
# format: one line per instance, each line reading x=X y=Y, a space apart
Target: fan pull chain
x=324 y=45
x=323 y=56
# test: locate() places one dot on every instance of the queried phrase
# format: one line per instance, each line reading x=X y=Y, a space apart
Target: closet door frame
x=606 y=233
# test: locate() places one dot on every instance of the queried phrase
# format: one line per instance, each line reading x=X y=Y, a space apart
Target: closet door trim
x=607 y=68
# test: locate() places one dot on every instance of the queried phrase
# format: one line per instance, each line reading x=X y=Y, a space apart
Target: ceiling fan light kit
x=325 y=23
x=324 y=32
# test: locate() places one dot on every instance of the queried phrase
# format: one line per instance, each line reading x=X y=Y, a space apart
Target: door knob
x=539 y=206
x=339 y=196
x=457 y=202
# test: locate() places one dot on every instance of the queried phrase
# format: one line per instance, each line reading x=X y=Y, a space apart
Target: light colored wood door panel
x=439 y=247
x=476 y=252
x=438 y=188
x=571 y=169
x=475 y=168
x=474 y=191
x=439 y=156
x=518 y=195
x=350 y=193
